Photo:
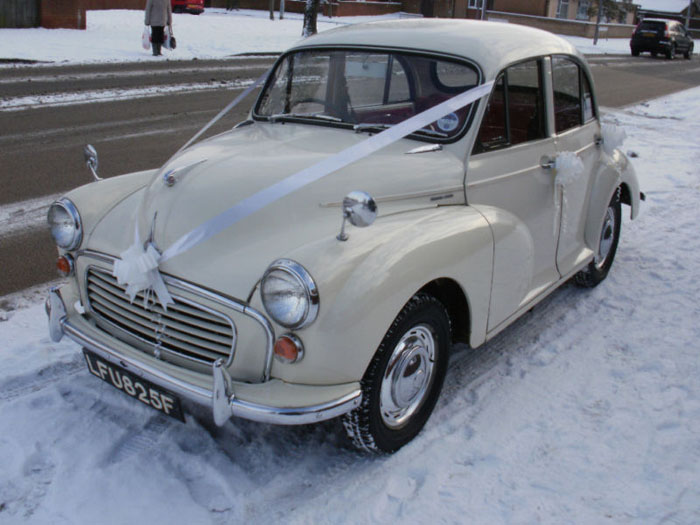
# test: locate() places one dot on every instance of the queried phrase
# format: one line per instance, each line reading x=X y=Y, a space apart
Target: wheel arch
x=455 y=301
x=616 y=173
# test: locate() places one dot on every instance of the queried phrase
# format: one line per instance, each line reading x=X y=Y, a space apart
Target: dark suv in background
x=656 y=35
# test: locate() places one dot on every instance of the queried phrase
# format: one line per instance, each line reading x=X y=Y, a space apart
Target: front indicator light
x=65 y=266
x=289 y=349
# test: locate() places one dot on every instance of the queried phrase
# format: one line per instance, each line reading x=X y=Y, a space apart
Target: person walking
x=158 y=14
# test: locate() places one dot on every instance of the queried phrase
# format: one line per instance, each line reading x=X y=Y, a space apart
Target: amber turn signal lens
x=289 y=348
x=64 y=265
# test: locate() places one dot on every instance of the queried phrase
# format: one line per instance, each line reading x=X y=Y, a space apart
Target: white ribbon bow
x=138 y=269
x=568 y=167
x=613 y=137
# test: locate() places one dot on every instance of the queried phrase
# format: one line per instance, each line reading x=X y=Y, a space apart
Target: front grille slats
x=183 y=330
x=172 y=320
x=109 y=284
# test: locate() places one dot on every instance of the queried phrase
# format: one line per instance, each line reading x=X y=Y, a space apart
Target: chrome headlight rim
x=73 y=213
x=301 y=274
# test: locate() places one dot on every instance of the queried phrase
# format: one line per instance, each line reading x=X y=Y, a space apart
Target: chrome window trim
x=233 y=304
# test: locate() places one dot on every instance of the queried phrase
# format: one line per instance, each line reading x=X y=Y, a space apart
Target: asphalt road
x=137 y=115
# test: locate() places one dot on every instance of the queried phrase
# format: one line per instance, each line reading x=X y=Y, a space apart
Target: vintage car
x=248 y=274
x=196 y=7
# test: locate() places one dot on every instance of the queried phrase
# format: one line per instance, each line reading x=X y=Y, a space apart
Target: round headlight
x=289 y=294
x=65 y=224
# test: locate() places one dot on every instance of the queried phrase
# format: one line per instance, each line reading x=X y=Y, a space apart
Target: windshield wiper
x=369 y=126
x=432 y=133
x=312 y=116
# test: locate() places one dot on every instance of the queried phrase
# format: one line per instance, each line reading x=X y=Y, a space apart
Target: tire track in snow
x=27 y=384
x=140 y=441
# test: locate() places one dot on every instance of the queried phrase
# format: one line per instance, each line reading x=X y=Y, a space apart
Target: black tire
x=671 y=53
x=377 y=426
x=689 y=53
x=597 y=270
x=635 y=52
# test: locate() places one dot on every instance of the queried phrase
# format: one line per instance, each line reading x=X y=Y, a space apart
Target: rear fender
x=616 y=172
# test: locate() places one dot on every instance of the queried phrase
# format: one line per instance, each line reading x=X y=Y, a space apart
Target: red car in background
x=196 y=7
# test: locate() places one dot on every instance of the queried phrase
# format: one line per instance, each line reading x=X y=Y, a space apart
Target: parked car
x=292 y=304
x=196 y=7
x=667 y=37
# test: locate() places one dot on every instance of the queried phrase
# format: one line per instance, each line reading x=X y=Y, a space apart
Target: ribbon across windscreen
x=296 y=181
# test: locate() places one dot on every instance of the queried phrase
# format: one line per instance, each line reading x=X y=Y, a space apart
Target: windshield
x=368 y=90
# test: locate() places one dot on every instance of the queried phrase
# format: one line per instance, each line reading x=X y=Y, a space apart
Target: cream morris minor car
x=249 y=275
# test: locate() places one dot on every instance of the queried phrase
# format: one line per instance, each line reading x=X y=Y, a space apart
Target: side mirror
x=90 y=156
x=360 y=209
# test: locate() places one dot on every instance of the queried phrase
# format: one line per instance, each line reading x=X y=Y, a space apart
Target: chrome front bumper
x=221 y=398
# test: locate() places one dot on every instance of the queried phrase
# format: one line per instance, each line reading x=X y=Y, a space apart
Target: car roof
x=492 y=45
x=664 y=20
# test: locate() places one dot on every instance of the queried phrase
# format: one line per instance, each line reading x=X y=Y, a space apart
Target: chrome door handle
x=547 y=164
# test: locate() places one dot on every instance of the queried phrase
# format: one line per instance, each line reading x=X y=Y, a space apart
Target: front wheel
x=635 y=52
x=671 y=53
x=689 y=53
x=404 y=379
x=598 y=268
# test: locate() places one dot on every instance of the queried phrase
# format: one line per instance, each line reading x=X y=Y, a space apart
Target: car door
x=506 y=182
x=577 y=130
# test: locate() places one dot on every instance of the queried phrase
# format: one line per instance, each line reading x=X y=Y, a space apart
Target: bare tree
x=310 y=15
x=610 y=9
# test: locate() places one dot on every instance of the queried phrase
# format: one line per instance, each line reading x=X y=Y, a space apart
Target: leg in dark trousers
x=157 y=39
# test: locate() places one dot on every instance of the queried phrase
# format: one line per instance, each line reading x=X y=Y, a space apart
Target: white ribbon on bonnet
x=138 y=268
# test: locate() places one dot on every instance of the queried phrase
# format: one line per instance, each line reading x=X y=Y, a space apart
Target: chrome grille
x=185 y=330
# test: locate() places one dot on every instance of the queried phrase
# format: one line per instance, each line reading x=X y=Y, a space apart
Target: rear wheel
x=404 y=379
x=598 y=268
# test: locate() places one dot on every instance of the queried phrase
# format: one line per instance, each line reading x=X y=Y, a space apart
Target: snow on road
x=115 y=36
x=587 y=410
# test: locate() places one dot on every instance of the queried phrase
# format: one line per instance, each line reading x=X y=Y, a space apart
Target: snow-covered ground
x=585 y=411
x=115 y=36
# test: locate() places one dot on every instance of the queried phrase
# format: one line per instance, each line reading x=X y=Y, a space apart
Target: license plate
x=136 y=387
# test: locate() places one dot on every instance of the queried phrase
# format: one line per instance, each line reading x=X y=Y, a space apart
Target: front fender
x=96 y=199
x=616 y=171
x=365 y=282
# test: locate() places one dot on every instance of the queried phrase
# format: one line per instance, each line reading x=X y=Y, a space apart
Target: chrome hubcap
x=408 y=376
x=607 y=236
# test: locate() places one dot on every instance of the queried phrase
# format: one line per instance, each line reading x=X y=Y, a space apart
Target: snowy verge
x=115 y=36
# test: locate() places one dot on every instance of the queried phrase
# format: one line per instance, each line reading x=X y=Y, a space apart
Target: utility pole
x=687 y=15
x=483 y=9
x=281 y=9
x=597 y=22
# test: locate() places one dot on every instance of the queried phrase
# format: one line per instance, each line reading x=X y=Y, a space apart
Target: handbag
x=146 y=38
x=170 y=42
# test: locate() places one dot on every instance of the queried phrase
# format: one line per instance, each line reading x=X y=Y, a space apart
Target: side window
x=515 y=112
x=567 y=94
x=525 y=102
x=493 y=133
